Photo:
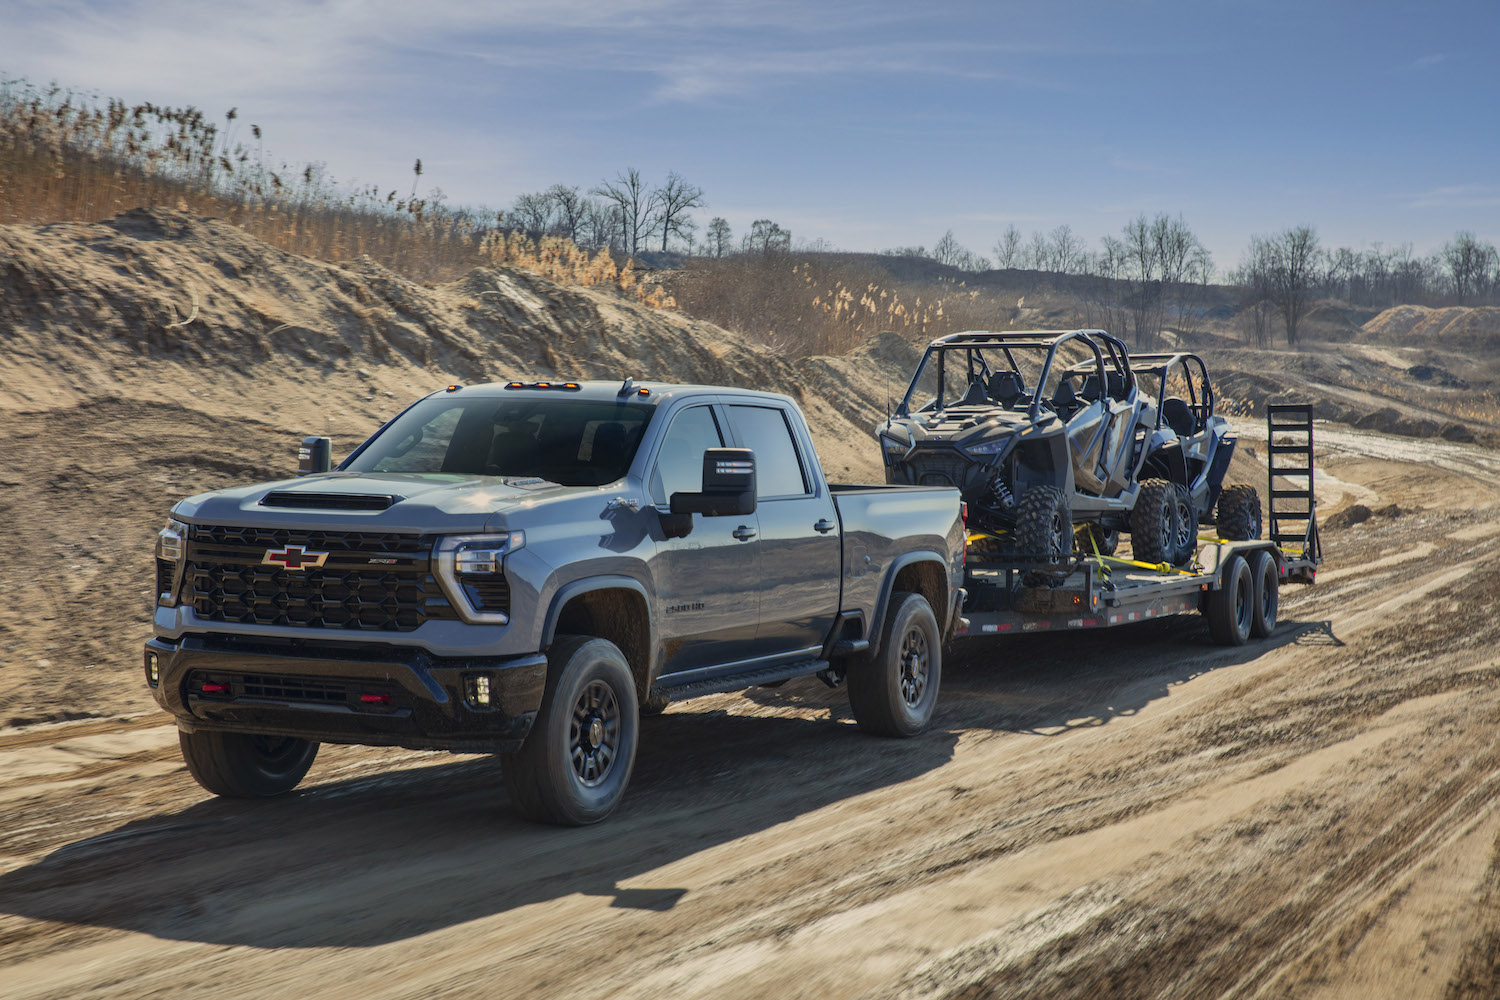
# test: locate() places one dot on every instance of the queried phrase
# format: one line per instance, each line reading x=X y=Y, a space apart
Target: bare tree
x=1008 y=251
x=637 y=207
x=1066 y=250
x=568 y=210
x=532 y=212
x=717 y=242
x=1293 y=259
x=1038 y=253
x=766 y=237
x=601 y=224
x=673 y=202
x=1469 y=263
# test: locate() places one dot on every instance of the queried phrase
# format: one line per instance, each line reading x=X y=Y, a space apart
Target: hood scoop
x=302 y=500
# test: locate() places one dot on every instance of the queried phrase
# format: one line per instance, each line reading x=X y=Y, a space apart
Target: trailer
x=1234 y=584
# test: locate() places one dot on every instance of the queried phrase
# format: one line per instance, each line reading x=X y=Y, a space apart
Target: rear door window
x=778 y=469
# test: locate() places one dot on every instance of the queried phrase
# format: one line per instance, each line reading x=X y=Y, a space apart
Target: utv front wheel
x=1239 y=513
x=240 y=766
x=574 y=766
x=894 y=692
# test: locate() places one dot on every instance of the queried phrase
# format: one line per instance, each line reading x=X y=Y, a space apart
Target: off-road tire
x=558 y=775
x=1231 y=607
x=1153 y=523
x=1266 y=596
x=240 y=766
x=1105 y=540
x=1044 y=530
x=1239 y=518
x=894 y=692
x=1187 y=525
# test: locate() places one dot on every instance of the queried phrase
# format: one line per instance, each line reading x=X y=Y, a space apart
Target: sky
x=868 y=125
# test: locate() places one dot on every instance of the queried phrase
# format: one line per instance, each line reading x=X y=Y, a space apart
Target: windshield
x=573 y=442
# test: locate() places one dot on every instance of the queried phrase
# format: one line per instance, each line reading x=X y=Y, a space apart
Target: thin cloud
x=1421 y=63
x=1458 y=196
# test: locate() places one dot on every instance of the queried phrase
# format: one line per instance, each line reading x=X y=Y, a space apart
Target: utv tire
x=1153 y=523
x=239 y=766
x=574 y=766
x=1044 y=530
x=1239 y=513
x=1267 y=593
x=1104 y=540
x=895 y=691
x=1231 y=607
x=1187 y=525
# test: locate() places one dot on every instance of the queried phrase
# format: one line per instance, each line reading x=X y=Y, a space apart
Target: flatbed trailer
x=1234 y=584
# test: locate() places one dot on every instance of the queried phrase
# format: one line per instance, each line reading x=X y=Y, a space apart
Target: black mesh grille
x=488 y=593
x=164 y=570
x=367 y=580
x=278 y=688
x=296 y=689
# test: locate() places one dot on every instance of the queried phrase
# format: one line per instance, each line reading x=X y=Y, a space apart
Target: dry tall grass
x=66 y=158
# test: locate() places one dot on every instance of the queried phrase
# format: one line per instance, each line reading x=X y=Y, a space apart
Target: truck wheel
x=574 y=766
x=1187 y=525
x=1267 y=596
x=1230 y=608
x=1153 y=523
x=1239 y=513
x=894 y=692
x=240 y=766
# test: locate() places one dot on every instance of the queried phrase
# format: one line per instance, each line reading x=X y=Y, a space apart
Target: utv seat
x=1064 y=399
x=1090 y=390
x=1006 y=388
x=974 y=396
x=1178 y=415
x=1115 y=384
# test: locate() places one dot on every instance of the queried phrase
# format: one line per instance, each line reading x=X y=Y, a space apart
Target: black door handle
x=744 y=533
x=824 y=526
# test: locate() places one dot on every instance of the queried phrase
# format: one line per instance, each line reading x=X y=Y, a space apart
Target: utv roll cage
x=1184 y=416
x=987 y=386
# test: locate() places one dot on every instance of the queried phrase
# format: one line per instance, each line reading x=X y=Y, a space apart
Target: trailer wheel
x=1187 y=525
x=894 y=692
x=240 y=766
x=1153 y=523
x=1239 y=513
x=1267 y=597
x=574 y=766
x=1231 y=607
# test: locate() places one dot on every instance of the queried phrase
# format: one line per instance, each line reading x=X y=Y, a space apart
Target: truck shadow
x=372 y=860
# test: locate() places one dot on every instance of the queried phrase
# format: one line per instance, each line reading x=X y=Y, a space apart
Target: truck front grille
x=367 y=580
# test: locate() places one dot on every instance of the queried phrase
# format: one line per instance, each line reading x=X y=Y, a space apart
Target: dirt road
x=1136 y=814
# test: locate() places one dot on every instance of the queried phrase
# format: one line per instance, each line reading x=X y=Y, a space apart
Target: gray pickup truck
x=524 y=568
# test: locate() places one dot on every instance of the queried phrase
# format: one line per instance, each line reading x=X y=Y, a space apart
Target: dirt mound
x=1465 y=328
x=173 y=306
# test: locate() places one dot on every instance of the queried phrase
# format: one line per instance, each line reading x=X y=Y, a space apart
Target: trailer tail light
x=963 y=510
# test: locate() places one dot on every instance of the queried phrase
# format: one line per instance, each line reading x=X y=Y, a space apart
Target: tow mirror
x=314 y=456
x=728 y=485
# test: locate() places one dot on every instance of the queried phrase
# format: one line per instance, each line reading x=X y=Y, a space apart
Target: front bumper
x=371 y=694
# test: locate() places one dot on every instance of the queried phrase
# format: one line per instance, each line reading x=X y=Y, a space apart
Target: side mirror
x=314 y=456
x=728 y=485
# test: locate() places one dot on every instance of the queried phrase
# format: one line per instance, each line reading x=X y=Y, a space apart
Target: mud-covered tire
x=1230 y=608
x=570 y=772
x=240 y=766
x=1239 y=517
x=1153 y=523
x=1187 y=525
x=1044 y=531
x=894 y=692
x=1104 y=540
x=1266 y=593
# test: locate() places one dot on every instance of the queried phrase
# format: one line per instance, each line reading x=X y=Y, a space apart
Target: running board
x=738 y=682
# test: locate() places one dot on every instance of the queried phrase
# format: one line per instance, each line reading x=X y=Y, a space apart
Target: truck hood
x=376 y=501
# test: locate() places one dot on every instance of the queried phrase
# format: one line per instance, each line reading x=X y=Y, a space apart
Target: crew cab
x=524 y=568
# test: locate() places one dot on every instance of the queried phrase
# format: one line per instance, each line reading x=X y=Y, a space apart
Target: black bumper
x=375 y=695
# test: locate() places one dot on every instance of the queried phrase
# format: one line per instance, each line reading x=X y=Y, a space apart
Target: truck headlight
x=171 y=551
x=471 y=569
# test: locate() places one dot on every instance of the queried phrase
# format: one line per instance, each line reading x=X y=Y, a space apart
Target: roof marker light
x=453 y=388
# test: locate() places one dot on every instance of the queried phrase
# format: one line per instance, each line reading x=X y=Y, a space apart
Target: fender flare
x=888 y=586
x=568 y=591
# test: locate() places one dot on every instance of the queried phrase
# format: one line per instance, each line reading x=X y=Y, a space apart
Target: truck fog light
x=153 y=669
x=478 y=693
